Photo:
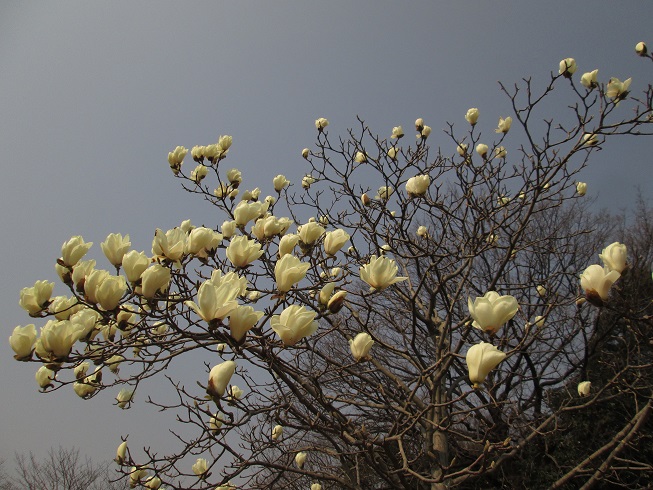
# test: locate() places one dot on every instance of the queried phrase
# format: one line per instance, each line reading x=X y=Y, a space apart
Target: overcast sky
x=93 y=95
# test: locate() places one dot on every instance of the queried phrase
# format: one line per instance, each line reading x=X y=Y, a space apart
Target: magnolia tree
x=398 y=318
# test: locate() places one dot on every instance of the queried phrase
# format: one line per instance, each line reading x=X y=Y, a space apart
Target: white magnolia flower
x=219 y=377
x=504 y=125
x=279 y=182
x=57 y=339
x=418 y=185
x=242 y=251
x=44 y=377
x=584 y=388
x=334 y=241
x=35 y=299
x=241 y=320
x=203 y=242
x=384 y=193
x=596 y=281
x=300 y=459
x=198 y=173
x=567 y=67
x=589 y=79
x=277 y=431
x=215 y=301
x=134 y=264
x=481 y=359
x=114 y=247
x=73 y=250
x=155 y=279
x=294 y=323
x=472 y=116
x=492 y=310
x=307 y=181
x=310 y=232
x=589 y=139
x=614 y=257
x=617 y=89
x=121 y=453
x=125 y=397
x=169 y=245
x=360 y=345
x=641 y=49
x=247 y=211
x=380 y=272
x=22 y=341
x=234 y=394
x=288 y=271
x=235 y=177
x=321 y=123
x=200 y=468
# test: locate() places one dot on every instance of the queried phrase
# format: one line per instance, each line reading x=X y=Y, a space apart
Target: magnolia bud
x=219 y=378
x=337 y=301
x=321 y=123
x=504 y=125
x=280 y=182
x=277 y=432
x=482 y=149
x=307 y=181
x=584 y=388
x=589 y=139
x=121 y=453
x=124 y=398
x=361 y=345
x=567 y=67
x=397 y=132
x=235 y=177
x=589 y=79
x=360 y=157
x=472 y=116
x=300 y=459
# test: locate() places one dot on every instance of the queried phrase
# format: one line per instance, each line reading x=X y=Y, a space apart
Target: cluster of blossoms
x=616 y=89
x=492 y=311
x=597 y=280
x=489 y=313
x=105 y=305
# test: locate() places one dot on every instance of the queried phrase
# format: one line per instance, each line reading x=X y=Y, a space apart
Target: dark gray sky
x=94 y=95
